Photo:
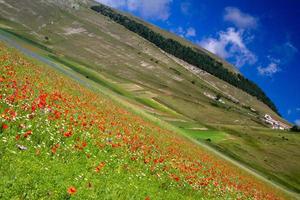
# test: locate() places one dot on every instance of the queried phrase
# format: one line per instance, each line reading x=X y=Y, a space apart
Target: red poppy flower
x=4 y=126
x=54 y=148
x=18 y=137
x=84 y=144
x=100 y=166
x=175 y=178
x=68 y=134
x=71 y=190
x=28 y=133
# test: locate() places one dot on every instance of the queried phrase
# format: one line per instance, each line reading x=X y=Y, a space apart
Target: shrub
x=295 y=128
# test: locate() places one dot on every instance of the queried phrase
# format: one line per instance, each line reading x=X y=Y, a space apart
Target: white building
x=274 y=123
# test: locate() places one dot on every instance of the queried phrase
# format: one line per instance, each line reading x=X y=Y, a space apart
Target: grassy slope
x=267 y=151
x=121 y=54
x=108 y=153
x=174 y=95
x=277 y=174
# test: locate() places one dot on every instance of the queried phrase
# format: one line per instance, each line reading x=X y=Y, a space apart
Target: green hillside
x=167 y=89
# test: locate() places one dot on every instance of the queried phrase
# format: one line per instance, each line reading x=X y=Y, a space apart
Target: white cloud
x=285 y=52
x=297 y=122
x=178 y=31
x=191 y=32
x=271 y=69
x=154 y=9
x=239 y=19
x=230 y=44
x=298 y=109
x=216 y=46
x=291 y=47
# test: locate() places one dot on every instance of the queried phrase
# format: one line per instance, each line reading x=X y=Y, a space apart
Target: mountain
x=79 y=30
x=196 y=56
x=208 y=102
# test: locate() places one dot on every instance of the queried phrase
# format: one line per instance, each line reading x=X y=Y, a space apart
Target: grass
x=97 y=78
x=199 y=132
x=99 y=149
x=117 y=58
x=26 y=39
x=215 y=138
x=90 y=74
x=213 y=135
x=210 y=136
x=267 y=151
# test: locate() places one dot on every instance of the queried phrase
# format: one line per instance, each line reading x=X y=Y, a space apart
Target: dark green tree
x=295 y=128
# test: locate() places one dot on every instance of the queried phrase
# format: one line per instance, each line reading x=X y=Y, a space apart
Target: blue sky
x=261 y=38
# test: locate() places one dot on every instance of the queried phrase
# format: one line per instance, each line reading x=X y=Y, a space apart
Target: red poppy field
x=59 y=140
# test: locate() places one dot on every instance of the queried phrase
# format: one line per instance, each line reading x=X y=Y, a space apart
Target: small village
x=274 y=123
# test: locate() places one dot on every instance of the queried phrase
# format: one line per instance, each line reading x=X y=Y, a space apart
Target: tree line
x=295 y=128
x=188 y=54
